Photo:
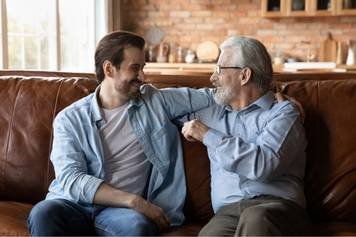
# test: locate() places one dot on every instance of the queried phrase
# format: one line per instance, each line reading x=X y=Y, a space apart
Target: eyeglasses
x=219 y=68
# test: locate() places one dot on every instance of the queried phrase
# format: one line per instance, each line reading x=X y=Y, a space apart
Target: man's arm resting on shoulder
x=107 y=195
x=282 y=97
x=181 y=101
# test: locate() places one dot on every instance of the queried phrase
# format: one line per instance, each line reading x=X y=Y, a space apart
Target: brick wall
x=190 y=22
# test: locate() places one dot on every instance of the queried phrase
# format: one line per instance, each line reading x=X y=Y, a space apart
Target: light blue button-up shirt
x=77 y=153
x=258 y=150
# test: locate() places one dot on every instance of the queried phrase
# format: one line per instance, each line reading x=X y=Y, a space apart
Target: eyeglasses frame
x=218 y=68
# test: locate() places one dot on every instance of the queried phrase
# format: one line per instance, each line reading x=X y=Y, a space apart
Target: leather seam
x=9 y=133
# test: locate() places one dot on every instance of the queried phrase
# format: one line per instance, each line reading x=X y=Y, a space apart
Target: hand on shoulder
x=282 y=97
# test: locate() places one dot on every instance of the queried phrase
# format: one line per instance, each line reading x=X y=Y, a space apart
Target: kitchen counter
x=179 y=68
x=208 y=68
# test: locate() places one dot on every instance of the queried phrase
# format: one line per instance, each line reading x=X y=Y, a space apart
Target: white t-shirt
x=126 y=165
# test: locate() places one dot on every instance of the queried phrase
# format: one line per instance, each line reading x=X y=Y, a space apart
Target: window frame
x=103 y=23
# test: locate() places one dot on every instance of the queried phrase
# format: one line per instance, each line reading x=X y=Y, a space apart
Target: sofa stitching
x=9 y=133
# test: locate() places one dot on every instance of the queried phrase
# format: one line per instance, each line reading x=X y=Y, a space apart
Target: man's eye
x=135 y=69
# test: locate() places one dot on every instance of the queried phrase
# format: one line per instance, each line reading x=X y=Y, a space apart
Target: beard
x=223 y=95
x=134 y=94
x=130 y=89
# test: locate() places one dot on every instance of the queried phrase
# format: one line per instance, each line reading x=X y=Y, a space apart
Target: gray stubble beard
x=223 y=96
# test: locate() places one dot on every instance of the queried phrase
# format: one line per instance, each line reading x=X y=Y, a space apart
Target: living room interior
x=47 y=63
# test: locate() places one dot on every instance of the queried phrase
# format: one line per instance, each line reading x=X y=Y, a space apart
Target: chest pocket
x=160 y=132
x=166 y=140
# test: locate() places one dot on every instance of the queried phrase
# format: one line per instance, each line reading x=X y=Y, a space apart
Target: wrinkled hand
x=281 y=97
x=194 y=130
x=153 y=212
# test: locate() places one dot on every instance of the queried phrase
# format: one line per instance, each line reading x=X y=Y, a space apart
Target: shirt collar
x=138 y=101
x=95 y=108
x=264 y=102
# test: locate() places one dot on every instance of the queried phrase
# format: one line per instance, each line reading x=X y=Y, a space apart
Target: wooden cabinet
x=297 y=8
x=273 y=8
x=307 y=8
x=346 y=7
x=323 y=7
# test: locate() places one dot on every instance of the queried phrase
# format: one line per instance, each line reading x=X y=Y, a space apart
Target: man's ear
x=108 y=68
x=246 y=74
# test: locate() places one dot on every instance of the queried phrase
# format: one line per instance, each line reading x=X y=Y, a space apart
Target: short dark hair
x=111 y=47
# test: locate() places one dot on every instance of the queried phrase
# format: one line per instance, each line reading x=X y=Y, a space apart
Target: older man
x=256 y=147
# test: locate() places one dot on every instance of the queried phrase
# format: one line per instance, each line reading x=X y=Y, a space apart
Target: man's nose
x=214 y=77
x=141 y=76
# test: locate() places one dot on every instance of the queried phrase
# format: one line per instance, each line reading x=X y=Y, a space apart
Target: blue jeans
x=62 y=217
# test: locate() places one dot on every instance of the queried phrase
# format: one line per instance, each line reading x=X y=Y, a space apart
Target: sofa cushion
x=330 y=123
x=27 y=108
x=334 y=229
x=13 y=218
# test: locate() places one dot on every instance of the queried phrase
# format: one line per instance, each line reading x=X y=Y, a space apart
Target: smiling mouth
x=136 y=83
x=216 y=86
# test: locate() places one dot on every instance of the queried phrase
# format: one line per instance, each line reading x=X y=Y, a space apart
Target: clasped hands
x=194 y=130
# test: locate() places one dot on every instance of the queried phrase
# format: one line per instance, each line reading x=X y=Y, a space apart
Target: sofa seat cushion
x=335 y=229
x=188 y=229
x=13 y=218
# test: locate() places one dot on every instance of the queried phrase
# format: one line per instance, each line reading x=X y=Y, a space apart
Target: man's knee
x=42 y=216
x=254 y=214
x=44 y=211
x=209 y=230
x=57 y=217
x=124 y=221
x=220 y=225
x=257 y=220
x=142 y=226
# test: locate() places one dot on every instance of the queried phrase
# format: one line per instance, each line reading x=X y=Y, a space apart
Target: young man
x=256 y=148
x=117 y=156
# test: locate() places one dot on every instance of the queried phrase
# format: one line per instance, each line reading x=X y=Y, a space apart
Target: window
x=51 y=34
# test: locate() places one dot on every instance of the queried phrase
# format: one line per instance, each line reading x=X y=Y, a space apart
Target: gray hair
x=253 y=54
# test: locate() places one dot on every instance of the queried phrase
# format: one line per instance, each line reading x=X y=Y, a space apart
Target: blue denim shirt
x=77 y=153
x=258 y=150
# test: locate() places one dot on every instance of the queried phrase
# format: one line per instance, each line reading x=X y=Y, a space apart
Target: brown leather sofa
x=30 y=100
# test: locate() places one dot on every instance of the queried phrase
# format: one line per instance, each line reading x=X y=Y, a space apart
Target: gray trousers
x=260 y=216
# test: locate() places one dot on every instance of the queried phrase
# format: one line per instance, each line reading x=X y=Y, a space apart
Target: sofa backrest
x=330 y=124
x=29 y=104
x=27 y=108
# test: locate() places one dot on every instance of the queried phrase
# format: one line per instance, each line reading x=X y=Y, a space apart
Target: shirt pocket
x=165 y=141
x=160 y=132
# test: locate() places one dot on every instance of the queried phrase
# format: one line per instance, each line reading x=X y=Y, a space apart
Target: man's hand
x=281 y=97
x=194 y=130
x=107 y=195
x=153 y=212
